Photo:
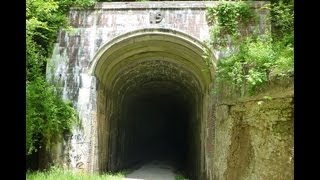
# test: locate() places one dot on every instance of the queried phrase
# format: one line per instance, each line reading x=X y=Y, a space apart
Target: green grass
x=58 y=173
x=180 y=177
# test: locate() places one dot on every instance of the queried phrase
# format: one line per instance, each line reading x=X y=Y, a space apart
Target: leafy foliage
x=47 y=115
x=44 y=18
x=227 y=20
x=258 y=60
x=282 y=19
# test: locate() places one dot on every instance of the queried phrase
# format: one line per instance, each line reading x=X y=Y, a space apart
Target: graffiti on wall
x=79 y=149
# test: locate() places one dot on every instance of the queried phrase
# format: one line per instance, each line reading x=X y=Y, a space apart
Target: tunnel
x=151 y=89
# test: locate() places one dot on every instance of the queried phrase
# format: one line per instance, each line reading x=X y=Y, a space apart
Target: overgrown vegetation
x=180 y=177
x=58 y=173
x=229 y=22
x=259 y=59
x=47 y=115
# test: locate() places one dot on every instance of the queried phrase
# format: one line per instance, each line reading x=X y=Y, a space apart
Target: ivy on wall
x=229 y=22
x=258 y=59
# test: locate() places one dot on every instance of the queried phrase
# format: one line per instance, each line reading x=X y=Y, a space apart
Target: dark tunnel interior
x=156 y=127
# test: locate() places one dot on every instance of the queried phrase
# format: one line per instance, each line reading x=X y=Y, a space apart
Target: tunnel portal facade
x=137 y=75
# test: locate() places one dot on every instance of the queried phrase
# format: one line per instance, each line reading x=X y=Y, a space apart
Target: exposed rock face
x=254 y=138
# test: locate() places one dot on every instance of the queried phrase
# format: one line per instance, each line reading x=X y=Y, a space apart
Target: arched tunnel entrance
x=151 y=89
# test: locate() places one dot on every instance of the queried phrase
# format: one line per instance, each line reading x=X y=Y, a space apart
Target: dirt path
x=154 y=170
